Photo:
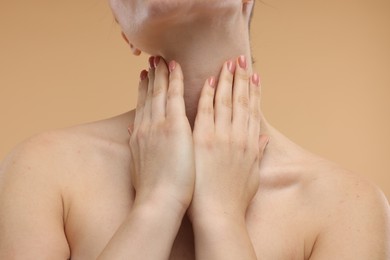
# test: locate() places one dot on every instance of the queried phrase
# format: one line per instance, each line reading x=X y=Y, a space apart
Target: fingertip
x=255 y=79
x=172 y=66
x=175 y=70
x=211 y=82
x=231 y=66
x=242 y=62
x=143 y=75
x=151 y=62
x=157 y=61
x=137 y=53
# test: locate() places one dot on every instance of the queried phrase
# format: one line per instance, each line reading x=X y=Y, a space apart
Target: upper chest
x=97 y=205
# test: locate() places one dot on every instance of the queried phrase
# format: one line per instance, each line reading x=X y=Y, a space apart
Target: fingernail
x=242 y=61
x=212 y=82
x=156 y=61
x=256 y=79
x=151 y=62
x=143 y=74
x=172 y=65
x=129 y=130
x=231 y=66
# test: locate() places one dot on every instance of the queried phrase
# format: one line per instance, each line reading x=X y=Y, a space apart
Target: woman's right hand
x=161 y=141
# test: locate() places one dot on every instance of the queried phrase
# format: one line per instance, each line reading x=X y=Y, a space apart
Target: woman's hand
x=228 y=144
x=161 y=141
x=163 y=171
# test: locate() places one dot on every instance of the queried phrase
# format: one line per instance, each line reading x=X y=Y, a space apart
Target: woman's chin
x=165 y=8
x=169 y=9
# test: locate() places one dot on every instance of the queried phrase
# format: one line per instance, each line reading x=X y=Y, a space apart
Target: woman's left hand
x=228 y=145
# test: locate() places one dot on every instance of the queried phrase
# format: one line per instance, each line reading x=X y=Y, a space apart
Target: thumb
x=263 y=142
x=130 y=129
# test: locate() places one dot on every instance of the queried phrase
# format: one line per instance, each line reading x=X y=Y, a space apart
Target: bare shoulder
x=53 y=149
x=353 y=214
x=33 y=180
x=63 y=147
x=31 y=206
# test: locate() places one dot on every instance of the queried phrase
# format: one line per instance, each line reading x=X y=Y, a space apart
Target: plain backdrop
x=325 y=69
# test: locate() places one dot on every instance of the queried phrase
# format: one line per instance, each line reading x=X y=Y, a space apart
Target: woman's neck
x=201 y=50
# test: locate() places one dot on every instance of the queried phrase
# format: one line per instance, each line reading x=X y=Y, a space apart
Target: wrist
x=207 y=217
x=212 y=212
x=222 y=236
x=160 y=204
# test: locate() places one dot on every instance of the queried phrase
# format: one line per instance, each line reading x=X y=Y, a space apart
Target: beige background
x=325 y=67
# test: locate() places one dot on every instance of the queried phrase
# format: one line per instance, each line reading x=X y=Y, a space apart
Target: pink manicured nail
x=156 y=61
x=256 y=79
x=151 y=62
x=212 y=82
x=172 y=65
x=143 y=75
x=231 y=66
x=242 y=61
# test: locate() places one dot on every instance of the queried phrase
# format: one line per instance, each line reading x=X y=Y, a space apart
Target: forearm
x=222 y=238
x=147 y=233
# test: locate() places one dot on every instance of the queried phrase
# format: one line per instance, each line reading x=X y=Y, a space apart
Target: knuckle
x=226 y=77
x=227 y=102
x=243 y=102
x=255 y=114
x=209 y=93
x=149 y=94
x=158 y=89
x=255 y=92
x=241 y=75
x=175 y=78
x=174 y=92
x=207 y=110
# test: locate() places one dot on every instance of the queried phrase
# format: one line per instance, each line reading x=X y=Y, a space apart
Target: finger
x=254 y=106
x=142 y=90
x=205 y=115
x=160 y=87
x=175 y=100
x=130 y=129
x=132 y=156
x=263 y=142
x=148 y=103
x=240 y=97
x=223 y=98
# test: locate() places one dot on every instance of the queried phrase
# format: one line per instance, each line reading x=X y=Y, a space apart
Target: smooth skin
x=228 y=151
x=67 y=194
x=162 y=153
x=72 y=193
x=222 y=157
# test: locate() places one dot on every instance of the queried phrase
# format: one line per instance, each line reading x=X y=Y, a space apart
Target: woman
x=199 y=178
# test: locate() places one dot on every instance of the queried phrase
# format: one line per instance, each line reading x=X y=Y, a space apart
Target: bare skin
x=64 y=194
